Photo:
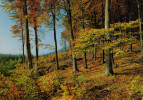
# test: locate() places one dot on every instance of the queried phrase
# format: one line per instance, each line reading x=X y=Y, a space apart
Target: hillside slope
x=87 y=84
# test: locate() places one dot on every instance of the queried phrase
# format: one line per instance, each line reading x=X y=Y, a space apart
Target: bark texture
x=109 y=69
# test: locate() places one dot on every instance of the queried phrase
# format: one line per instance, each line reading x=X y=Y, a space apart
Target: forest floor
x=92 y=84
x=87 y=84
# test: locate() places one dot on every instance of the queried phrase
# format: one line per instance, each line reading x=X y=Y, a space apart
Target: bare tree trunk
x=36 y=45
x=72 y=37
x=129 y=12
x=85 y=61
x=83 y=26
x=36 y=39
x=109 y=69
x=140 y=9
x=65 y=43
x=103 y=56
x=94 y=53
x=103 y=53
x=113 y=62
x=27 y=36
x=55 y=39
x=22 y=37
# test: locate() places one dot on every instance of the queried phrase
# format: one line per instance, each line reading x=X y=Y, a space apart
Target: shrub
x=50 y=84
x=136 y=88
x=4 y=69
x=75 y=85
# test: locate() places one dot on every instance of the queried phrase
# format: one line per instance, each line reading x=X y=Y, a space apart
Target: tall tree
x=109 y=69
x=83 y=26
x=140 y=9
x=22 y=38
x=34 y=13
x=18 y=9
x=52 y=6
x=27 y=35
x=103 y=53
x=75 y=68
x=54 y=29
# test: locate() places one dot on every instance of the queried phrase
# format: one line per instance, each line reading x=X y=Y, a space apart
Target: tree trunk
x=27 y=36
x=129 y=12
x=83 y=26
x=85 y=61
x=113 y=62
x=94 y=53
x=102 y=14
x=140 y=26
x=36 y=45
x=22 y=37
x=109 y=70
x=65 y=43
x=55 y=39
x=103 y=54
x=72 y=38
x=95 y=26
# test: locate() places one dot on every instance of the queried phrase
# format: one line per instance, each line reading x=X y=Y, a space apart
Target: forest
x=101 y=56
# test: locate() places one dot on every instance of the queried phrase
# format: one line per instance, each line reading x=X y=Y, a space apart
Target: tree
x=75 y=68
x=15 y=7
x=140 y=9
x=22 y=38
x=27 y=34
x=18 y=31
x=83 y=26
x=109 y=70
x=53 y=11
x=34 y=12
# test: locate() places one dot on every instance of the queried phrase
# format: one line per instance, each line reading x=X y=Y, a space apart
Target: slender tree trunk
x=27 y=36
x=55 y=39
x=103 y=56
x=36 y=45
x=103 y=53
x=109 y=70
x=72 y=38
x=94 y=53
x=85 y=61
x=102 y=14
x=65 y=43
x=36 y=39
x=23 y=46
x=94 y=26
x=140 y=26
x=113 y=62
x=91 y=26
x=129 y=12
x=22 y=37
x=83 y=26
